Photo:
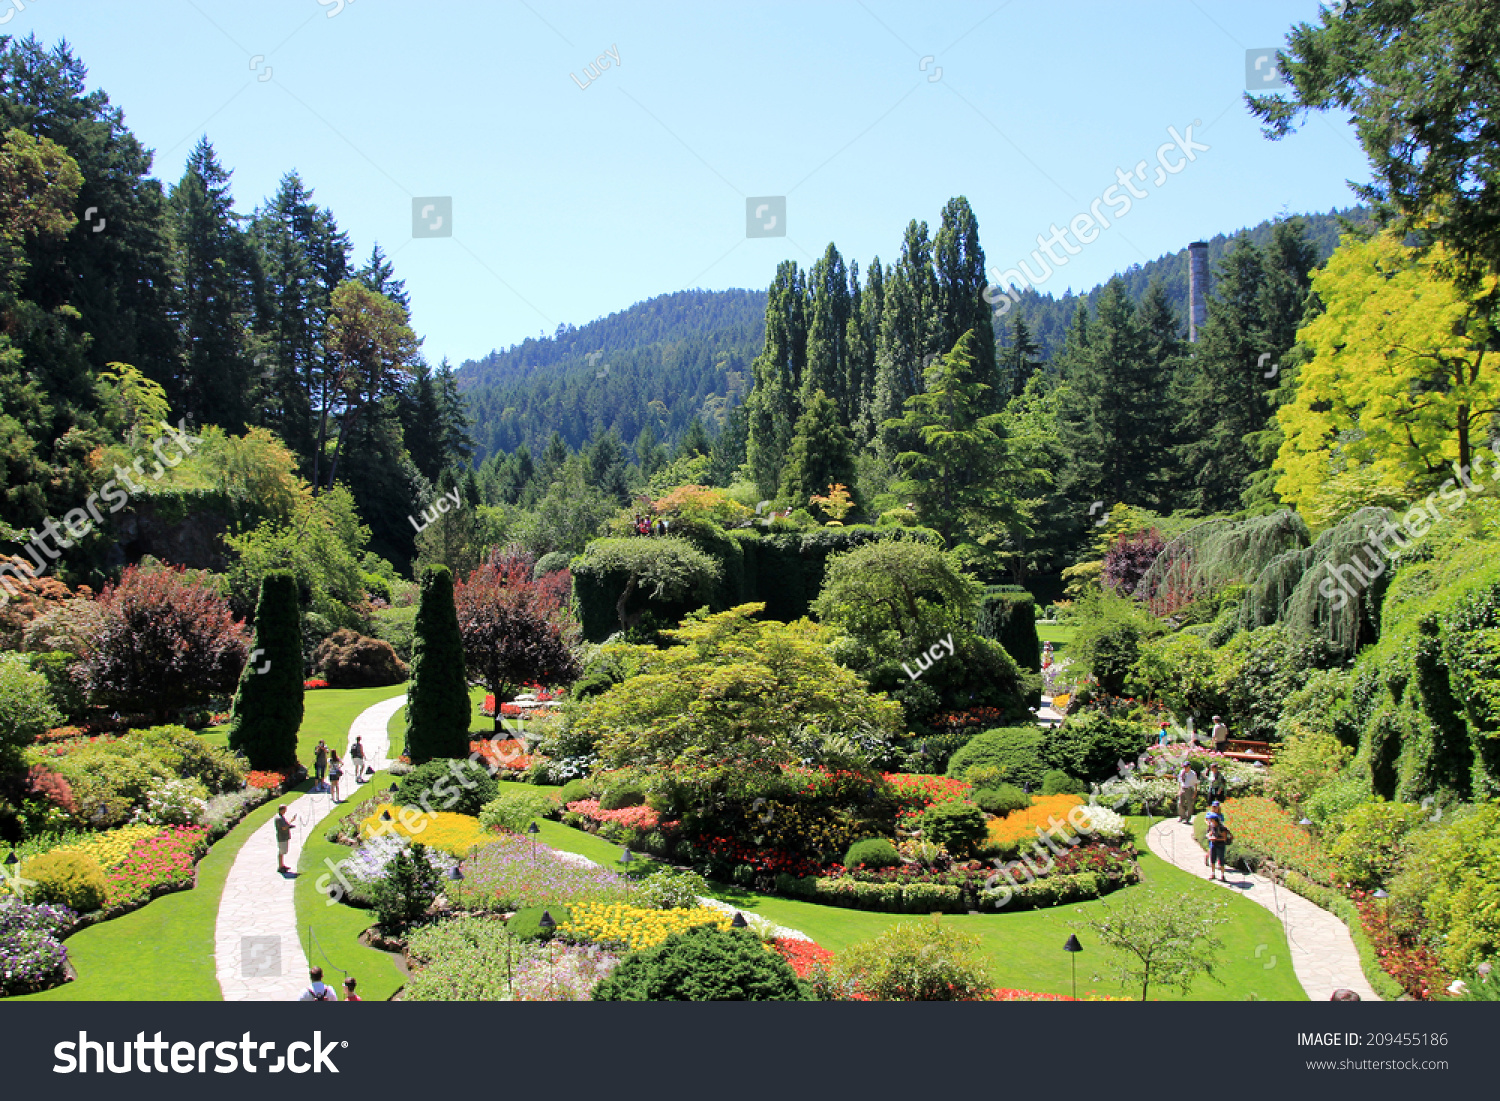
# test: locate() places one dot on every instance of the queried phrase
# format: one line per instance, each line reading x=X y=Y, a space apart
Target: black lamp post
x=739 y=921
x=1380 y=893
x=626 y=856
x=455 y=873
x=1073 y=948
x=533 y=831
x=547 y=925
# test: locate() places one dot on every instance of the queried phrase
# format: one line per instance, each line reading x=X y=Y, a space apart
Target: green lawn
x=165 y=950
x=1025 y=948
x=1057 y=634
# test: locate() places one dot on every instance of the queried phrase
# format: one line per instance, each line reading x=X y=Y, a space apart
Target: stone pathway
x=1323 y=954
x=257 y=953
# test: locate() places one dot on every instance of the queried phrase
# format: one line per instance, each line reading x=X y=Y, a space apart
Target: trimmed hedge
x=1007 y=614
x=947 y=898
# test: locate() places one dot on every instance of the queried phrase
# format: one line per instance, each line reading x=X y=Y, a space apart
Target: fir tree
x=822 y=453
x=267 y=710
x=437 y=702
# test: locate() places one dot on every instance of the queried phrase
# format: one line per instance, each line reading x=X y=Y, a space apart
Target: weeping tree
x=1216 y=553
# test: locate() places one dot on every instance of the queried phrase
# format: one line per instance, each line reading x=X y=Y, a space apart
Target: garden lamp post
x=1073 y=948
x=739 y=921
x=533 y=831
x=11 y=871
x=547 y=925
x=1380 y=893
x=626 y=856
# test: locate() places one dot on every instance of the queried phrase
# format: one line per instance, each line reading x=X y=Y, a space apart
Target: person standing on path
x=1187 y=793
x=357 y=757
x=1221 y=735
x=283 y=837
x=349 y=994
x=320 y=764
x=1214 y=786
x=1218 y=841
x=335 y=773
x=318 y=990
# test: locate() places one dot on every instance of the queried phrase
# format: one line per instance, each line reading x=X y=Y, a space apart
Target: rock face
x=194 y=541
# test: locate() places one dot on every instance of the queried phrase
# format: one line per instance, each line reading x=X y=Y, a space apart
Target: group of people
x=1215 y=789
x=320 y=991
x=644 y=525
x=328 y=767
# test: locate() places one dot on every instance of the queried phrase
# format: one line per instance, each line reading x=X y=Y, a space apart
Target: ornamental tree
x=516 y=630
x=1128 y=559
x=267 y=710
x=168 y=640
x=1164 y=939
x=437 y=704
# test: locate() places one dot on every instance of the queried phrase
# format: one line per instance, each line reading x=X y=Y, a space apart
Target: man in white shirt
x=1187 y=793
x=1221 y=735
x=319 y=991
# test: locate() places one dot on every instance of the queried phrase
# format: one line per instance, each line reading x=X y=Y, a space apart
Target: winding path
x=257 y=953
x=1323 y=954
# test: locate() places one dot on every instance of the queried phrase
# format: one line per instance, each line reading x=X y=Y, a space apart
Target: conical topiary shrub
x=437 y=703
x=267 y=711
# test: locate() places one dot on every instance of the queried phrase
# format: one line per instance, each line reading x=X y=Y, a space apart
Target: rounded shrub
x=1001 y=800
x=1058 y=782
x=621 y=796
x=917 y=961
x=526 y=924
x=873 y=852
x=514 y=809
x=69 y=879
x=454 y=784
x=574 y=791
x=1018 y=753
x=958 y=827
x=705 y=964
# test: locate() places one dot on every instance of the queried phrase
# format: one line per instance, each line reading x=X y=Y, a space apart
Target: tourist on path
x=349 y=994
x=335 y=774
x=283 y=837
x=320 y=764
x=1214 y=786
x=318 y=991
x=1165 y=734
x=1221 y=735
x=1187 y=793
x=357 y=757
x=1218 y=841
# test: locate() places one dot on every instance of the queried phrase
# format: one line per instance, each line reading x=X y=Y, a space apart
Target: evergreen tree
x=694 y=441
x=437 y=701
x=379 y=274
x=1019 y=359
x=422 y=426
x=955 y=473
x=863 y=335
x=822 y=453
x=267 y=710
x=212 y=296
x=728 y=453
x=607 y=469
x=777 y=374
x=453 y=418
x=906 y=338
x=554 y=458
x=650 y=455
x=828 y=318
x=959 y=280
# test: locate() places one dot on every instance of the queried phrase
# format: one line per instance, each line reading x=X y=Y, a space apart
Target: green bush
x=26 y=708
x=1463 y=903
x=526 y=924
x=111 y=779
x=456 y=784
x=669 y=888
x=408 y=889
x=1333 y=800
x=1018 y=753
x=917 y=961
x=621 y=796
x=705 y=964
x=1091 y=744
x=574 y=791
x=1111 y=631
x=1371 y=842
x=70 y=879
x=1058 y=782
x=1001 y=800
x=188 y=755
x=551 y=562
x=347 y=659
x=67 y=694
x=873 y=852
x=1306 y=762
x=398 y=626
x=1007 y=614
x=514 y=809
x=958 y=827
x=267 y=709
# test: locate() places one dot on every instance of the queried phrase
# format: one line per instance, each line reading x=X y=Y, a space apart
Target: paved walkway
x=257 y=953
x=1323 y=955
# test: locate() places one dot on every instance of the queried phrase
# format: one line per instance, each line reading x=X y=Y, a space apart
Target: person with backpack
x=1219 y=838
x=357 y=756
x=318 y=990
x=1187 y=793
x=283 y=837
x=335 y=774
x=1215 y=788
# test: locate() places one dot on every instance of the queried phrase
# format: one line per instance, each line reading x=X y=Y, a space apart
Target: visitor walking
x=320 y=764
x=349 y=994
x=318 y=990
x=1187 y=793
x=1221 y=735
x=1164 y=735
x=1218 y=841
x=283 y=837
x=357 y=757
x=1215 y=788
x=335 y=774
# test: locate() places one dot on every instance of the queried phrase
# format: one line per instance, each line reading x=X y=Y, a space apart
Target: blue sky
x=576 y=195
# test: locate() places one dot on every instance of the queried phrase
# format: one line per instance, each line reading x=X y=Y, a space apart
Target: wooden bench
x=1241 y=749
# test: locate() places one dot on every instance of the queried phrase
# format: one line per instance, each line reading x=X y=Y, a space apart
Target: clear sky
x=577 y=192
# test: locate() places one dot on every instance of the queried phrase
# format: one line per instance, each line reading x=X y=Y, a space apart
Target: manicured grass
x=1057 y=634
x=165 y=950
x=1025 y=948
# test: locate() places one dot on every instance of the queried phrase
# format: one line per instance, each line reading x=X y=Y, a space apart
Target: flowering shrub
x=1002 y=995
x=1264 y=828
x=266 y=780
x=18 y=917
x=636 y=927
x=453 y=833
x=668 y=888
x=1416 y=967
x=219 y=718
x=163 y=860
x=60 y=734
x=30 y=960
x=225 y=810
x=803 y=955
x=368 y=863
x=509 y=754
x=511 y=873
x=1021 y=825
x=173 y=802
x=110 y=847
x=315 y=682
x=636 y=818
x=917 y=792
x=471 y=958
x=1105 y=824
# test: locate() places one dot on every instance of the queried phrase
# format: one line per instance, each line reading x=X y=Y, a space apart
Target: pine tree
x=1019 y=359
x=650 y=455
x=777 y=374
x=379 y=274
x=422 y=424
x=959 y=279
x=822 y=452
x=694 y=441
x=828 y=318
x=437 y=703
x=267 y=710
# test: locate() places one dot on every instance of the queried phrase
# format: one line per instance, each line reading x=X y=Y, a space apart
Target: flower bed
x=511 y=873
x=1020 y=827
x=1269 y=832
x=316 y=682
x=1415 y=966
x=917 y=792
x=508 y=754
x=635 y=818
x=622 y=926
x=471 y=959
x=266 y=780
x=803 y=955
x=452 y=833
x=156 y=864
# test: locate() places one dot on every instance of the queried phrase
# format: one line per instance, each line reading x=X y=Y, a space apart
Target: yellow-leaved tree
x=1399 y=387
